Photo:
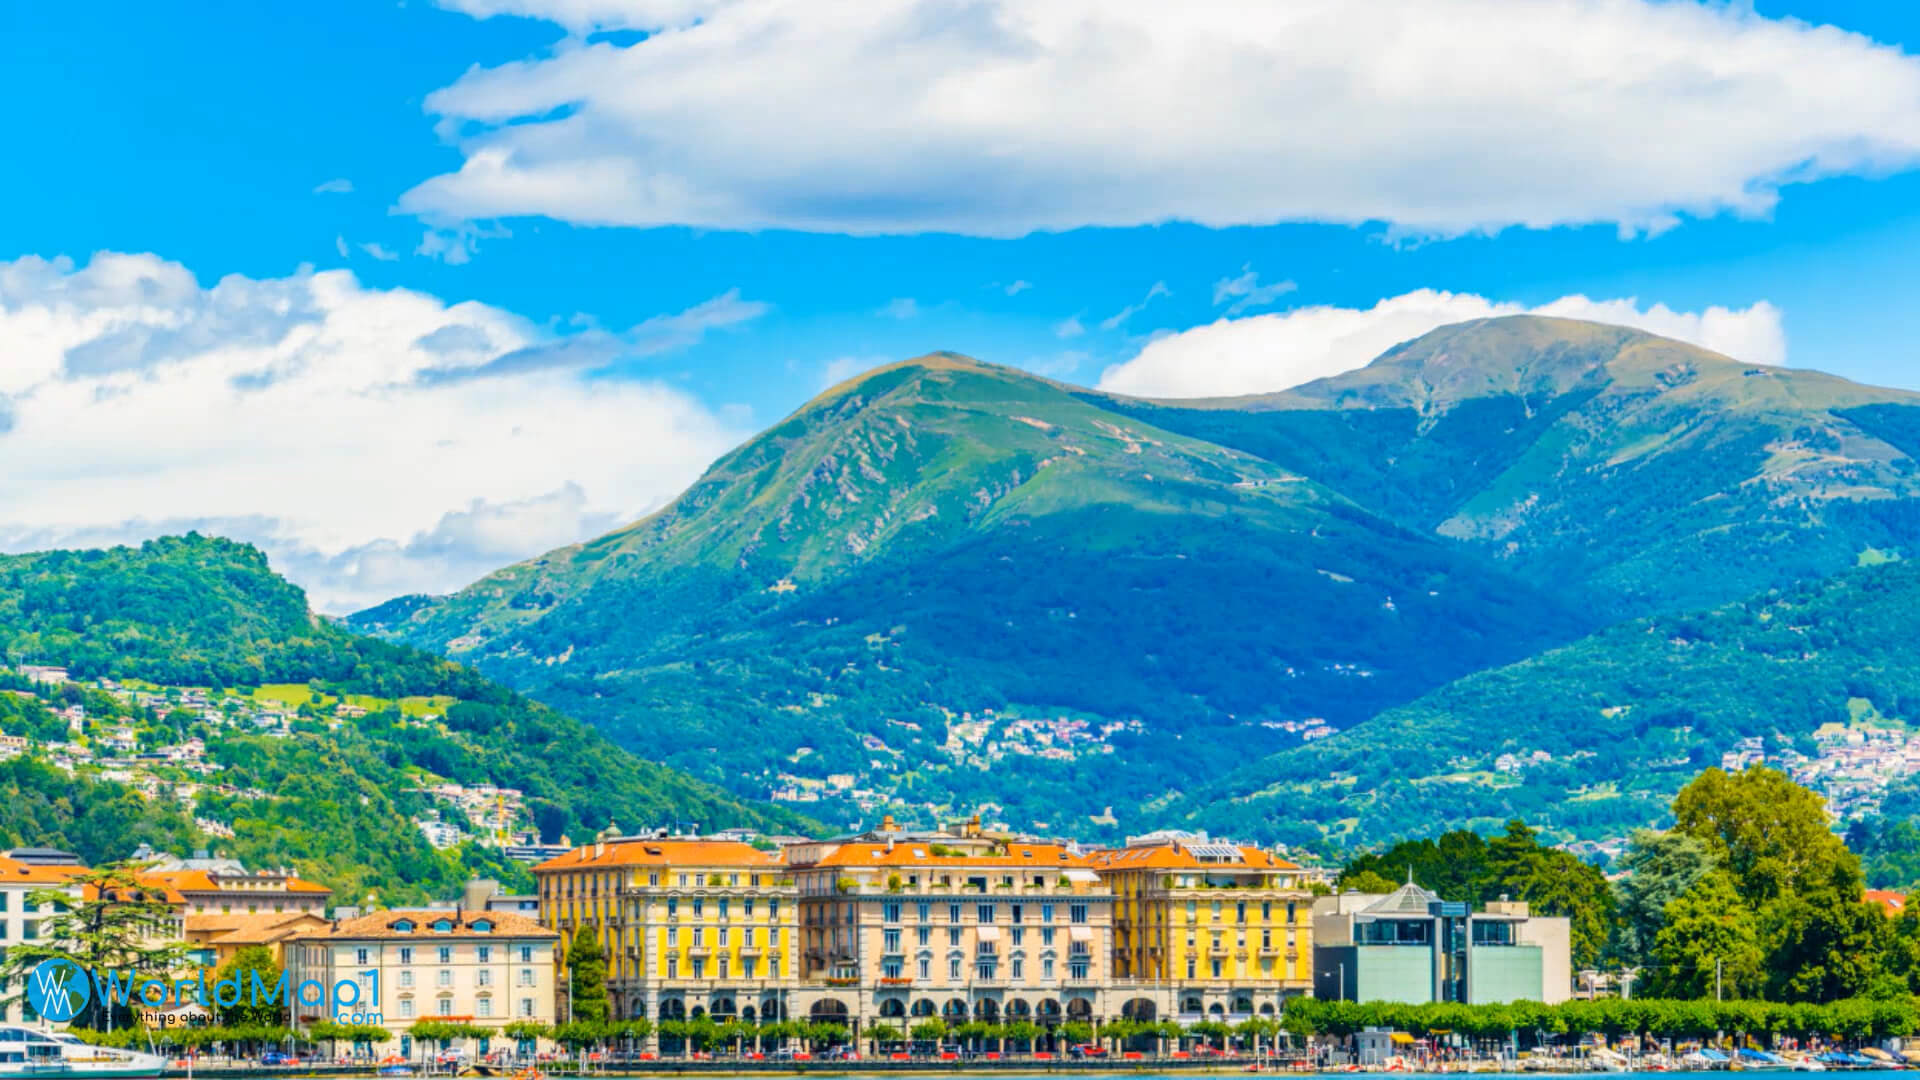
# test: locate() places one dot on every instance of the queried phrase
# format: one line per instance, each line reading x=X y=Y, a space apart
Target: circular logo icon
x=58 y=990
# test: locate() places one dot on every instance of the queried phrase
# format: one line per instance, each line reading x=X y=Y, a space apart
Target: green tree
x=104 y=919
x=587 y=977
x=1555 y=883
x=1768 y=831
x=1823 y=943
x=1660 y=867
x=1365 y=881
x=251 y=964
x=1711 y=941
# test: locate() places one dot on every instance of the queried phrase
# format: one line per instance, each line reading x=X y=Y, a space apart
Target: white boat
x=30 y=1052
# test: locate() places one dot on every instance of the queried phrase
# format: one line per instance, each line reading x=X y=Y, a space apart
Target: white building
x=487 y=968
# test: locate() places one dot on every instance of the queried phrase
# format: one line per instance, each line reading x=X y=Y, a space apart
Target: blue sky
x=792 y=229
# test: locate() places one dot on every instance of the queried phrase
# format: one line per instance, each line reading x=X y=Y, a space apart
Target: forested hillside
x=336 y=794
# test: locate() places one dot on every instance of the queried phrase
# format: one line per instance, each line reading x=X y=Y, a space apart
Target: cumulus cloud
x=379 y=251
x=1001 y=117
x=1264 y=353
x=337 y=186
x=319 y=417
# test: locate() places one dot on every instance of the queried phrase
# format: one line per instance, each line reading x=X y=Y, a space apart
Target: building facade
x=691 y=927
x=480 y=967
x=20 y=917
x=1411 y=946
x=1204 y=928
x=898 y=927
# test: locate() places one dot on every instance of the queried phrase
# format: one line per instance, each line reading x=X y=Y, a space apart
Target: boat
x=31 y=1052
x=394 y=1065
x=1759 y=1061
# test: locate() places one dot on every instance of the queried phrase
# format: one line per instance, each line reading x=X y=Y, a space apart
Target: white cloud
x=1069 y=327
x=1264 y=353
x=1246 y=292
x=340 y=245
x=1119 y=318
x=337 y=186
x=379 y=251
x=1018 y=287
x=319 y=417
x=842 y=368
x=900 y=307
x=1000 y=117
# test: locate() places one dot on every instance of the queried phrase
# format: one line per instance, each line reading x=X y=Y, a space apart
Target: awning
x=1086 y=876
x=989 y=933
x=1401 y=1038
x=1080 y=933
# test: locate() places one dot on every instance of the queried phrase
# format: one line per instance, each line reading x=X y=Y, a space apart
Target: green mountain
x=951 y=583
x=334 y=792
x=1651 y=474
x=1625 y=718
x=947 y=584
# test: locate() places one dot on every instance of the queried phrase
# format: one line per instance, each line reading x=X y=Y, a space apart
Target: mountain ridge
x=903 y=580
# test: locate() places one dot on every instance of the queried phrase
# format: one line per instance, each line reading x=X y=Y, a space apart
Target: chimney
x=887 y=825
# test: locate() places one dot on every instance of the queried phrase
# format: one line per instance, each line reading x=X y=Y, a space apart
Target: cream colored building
x=486 y=968
x=962 y=925
x=691 y=926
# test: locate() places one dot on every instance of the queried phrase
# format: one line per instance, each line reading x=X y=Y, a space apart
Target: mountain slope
x=954 y=583
x=334 y=792
x=1652 y=474
x=1626 y=717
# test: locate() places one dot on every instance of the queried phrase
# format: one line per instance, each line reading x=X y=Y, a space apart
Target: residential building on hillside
x=962 y=925
x=1227 y=924
x=1411 y=946
x=691 y=926
x=484 y=968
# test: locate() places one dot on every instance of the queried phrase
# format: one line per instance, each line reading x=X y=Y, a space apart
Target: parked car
x=1086 y=1050
x=275 y=1057
x=839 y=1053
x=784 y=1053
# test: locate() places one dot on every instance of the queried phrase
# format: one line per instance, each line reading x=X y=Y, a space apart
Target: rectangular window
x=673 y=906
x=953 y=913
x=446 y=977
x=406 y=978
x=723 y=965
x=1013 y=913
x=483 y=977
x=446 y=1006
x=483 y=954
x=1019 y=967
x=890 y=913
x=1266 y=911
x=926 y=967
x=526 y=954
x=773 y=966
x=1240 y=912
x=673 y=967
x=773 y=909
x=723 y=907
x=359 y=955
x=1046 y=968
x=925 y=912
x=1019 y=934
x=1046 y=913
x=1046 y=936
x=699 y=906
x=406 y=1007
x=773 y=936
x=526 y=976
x=890 y=968
x=1077 y=914
x=526 y=1006
x=746 y=906
x=953 y=969
x=925 y=934
x=891 y=941
x=723 y=936
x=406 y=954
x=446 y=954
x=953 y=937
x=985 y=913
x=483 y=1007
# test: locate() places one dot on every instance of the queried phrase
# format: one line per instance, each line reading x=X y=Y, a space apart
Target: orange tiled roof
x=13 y=871
x=662 y=853
x=384 y=924
x=251 y=928
x=1891 y=902
x=907 y=853
x=1176 y=857
x=202 y=881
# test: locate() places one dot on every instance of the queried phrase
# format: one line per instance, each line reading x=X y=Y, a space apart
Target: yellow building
x=1228 y=928
x=690 y=926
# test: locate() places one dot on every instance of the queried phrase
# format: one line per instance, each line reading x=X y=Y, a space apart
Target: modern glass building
x=1411 y=946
